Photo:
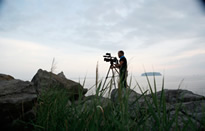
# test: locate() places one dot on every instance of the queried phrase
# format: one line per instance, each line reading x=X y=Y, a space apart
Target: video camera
x=109 y=58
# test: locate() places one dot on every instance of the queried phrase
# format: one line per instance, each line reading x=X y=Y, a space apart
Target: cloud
x=21 y=55
x=22 y=59
x=159 y=33
x=96 y=23
x=189 y=54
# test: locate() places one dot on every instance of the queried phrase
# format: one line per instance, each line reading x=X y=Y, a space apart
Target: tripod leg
x=106 y=79
x=116 y=70
x=113 y=77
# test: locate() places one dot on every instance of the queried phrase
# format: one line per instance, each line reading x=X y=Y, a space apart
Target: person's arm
x=119 y=65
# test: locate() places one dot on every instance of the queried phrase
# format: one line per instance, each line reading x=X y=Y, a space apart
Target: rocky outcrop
x=191 y=107
x=17 y=97
x=126 y=94
x=175 y=96
x=195 y=109
x=44 y=79
x=6 y=77
x=94 y=101
x=91 y=104
x=131 y=94
x=16 y=100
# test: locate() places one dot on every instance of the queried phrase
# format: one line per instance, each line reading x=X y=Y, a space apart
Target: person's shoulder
x=123 y=59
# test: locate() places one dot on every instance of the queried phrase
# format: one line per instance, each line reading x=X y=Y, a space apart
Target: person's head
x=120 y=53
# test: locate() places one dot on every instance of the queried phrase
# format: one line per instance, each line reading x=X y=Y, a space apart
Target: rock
x=16 y=99
x=61 y=75
x=191 y=108
x=44 y=80
x=92 y=104
x=28 y=117
x=93 y=100
x=129 y=96
x=6 y=77
x=69 y=103
x=195 y=109
x=191 y=112
x=176 y=119
x=174 y=96
x=184 y=122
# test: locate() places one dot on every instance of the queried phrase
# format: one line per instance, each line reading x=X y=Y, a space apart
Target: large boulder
x=195 y=109
x=179 y=95
x=129 y=97
x=126 y=92
x=92 y=104
x=190 y=106
x=44 y=80
x=6 y=77
x=17 y=99
x=94 y=101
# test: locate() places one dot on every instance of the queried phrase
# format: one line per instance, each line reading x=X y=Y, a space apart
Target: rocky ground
x=18 y=98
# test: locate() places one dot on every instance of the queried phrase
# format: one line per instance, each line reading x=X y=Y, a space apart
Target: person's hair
x=122 y=52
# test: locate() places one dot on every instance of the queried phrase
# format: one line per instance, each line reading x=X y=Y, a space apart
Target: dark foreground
x=52 y=102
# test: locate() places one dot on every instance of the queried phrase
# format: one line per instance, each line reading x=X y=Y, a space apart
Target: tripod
x=112 y=77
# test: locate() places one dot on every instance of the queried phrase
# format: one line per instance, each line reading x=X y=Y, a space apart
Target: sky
x=166 y=36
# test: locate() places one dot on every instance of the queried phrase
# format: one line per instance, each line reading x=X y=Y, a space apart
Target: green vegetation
x=55 y=112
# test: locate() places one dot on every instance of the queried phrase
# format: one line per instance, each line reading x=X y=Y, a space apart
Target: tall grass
x=56 y=112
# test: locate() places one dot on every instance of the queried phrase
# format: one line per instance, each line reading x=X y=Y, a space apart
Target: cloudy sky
x=167 y=35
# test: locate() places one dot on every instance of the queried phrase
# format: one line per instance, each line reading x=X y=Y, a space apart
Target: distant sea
x=196 y=84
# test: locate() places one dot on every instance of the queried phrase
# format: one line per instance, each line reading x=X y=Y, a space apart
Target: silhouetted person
x=123 y=69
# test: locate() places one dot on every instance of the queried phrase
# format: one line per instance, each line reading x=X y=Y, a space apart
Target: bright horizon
x=165 y=35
